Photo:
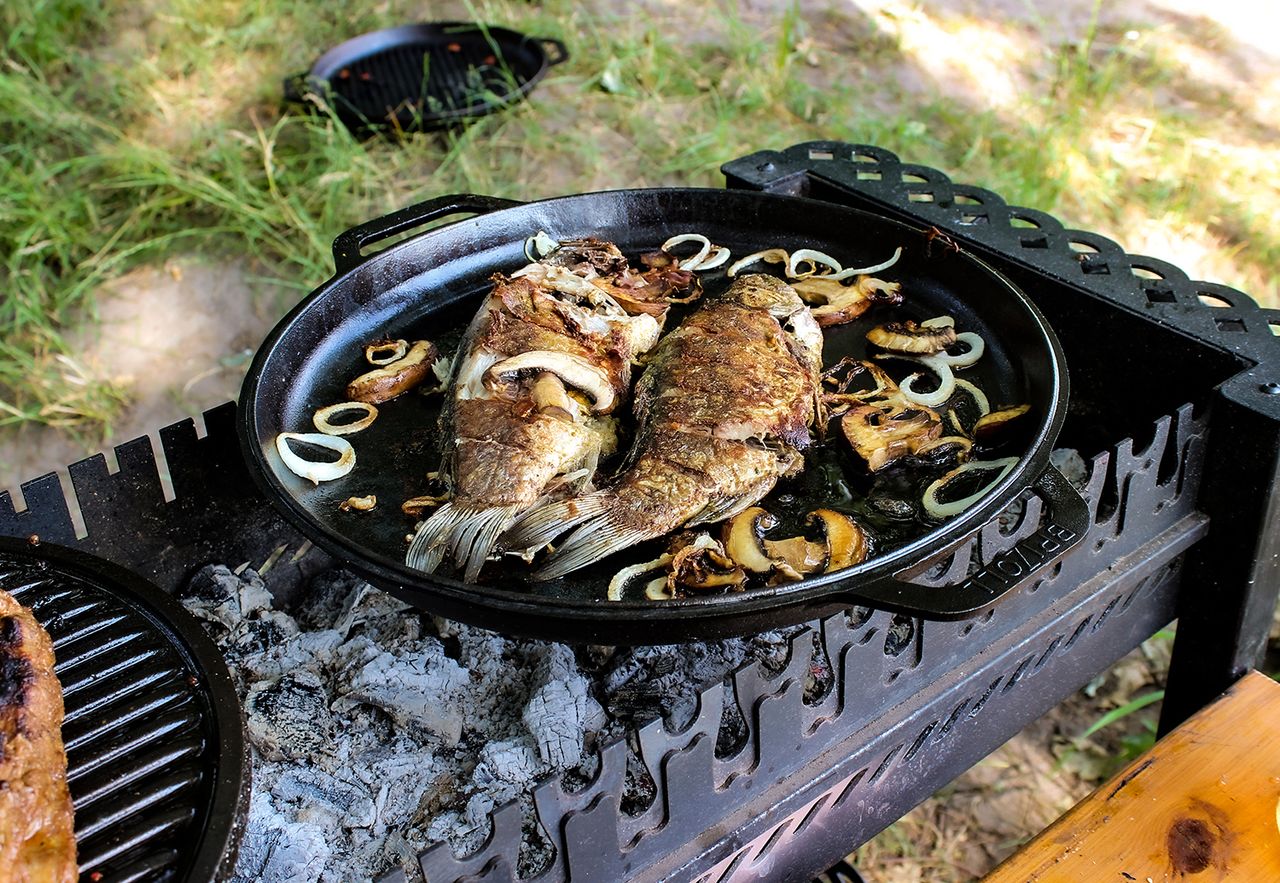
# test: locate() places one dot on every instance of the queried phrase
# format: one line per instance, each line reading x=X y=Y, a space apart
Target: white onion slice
x=770 y=255
x=680 y=239
x=955 y=507
x=946 y=383
x=977 y=346
x=539 y=245
x=316 y=472
x=626 y=574
x=979 y=397
x=657 y=590
x=939 y=322
x=322 y=422
x=719 y=256
x=395 y=348
x=867 y=271
x=812 y=256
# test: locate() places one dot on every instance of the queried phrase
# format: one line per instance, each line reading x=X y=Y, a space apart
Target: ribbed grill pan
x=155 y=749
x=427 y=76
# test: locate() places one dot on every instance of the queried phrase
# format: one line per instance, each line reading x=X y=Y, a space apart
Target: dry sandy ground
x=180 y=337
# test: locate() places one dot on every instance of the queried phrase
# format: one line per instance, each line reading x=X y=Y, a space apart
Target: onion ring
x=719 y=255
x=977 y=346
x=539 y=245
x=955 y=507
x=657 y=590
x=680 y=239
x=811 y=256
x=626 y=574
x=946 y=381
x=322 y=422
x=867 y=271
x=397 y=349
x=312 y=470
x=979 y=397
x=769 y=255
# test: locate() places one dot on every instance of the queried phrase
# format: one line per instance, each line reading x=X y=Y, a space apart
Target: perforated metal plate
x=156 y=757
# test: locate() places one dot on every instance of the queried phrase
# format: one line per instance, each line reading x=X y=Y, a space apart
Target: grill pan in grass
x=426 y=76
x=429 y=287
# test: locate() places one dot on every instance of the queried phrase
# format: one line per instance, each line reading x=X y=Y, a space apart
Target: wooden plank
x=1202 y=805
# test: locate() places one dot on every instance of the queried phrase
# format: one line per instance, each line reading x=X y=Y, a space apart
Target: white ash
x=377 y=732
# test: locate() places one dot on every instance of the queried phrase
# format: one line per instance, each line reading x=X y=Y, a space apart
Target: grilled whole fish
x=723 y=410
x=545 y=361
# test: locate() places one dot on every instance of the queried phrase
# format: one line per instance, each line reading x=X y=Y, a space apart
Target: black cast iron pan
x=429 y=286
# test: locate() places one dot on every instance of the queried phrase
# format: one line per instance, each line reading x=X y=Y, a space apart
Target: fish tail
x=468 y=533
x=595 y=537
x=542 y=524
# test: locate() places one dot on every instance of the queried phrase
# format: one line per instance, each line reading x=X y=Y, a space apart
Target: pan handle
x=1063 y=523
x=347 y=247
x=555 y=50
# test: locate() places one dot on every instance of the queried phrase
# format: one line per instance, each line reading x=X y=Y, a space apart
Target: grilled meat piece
x=543 y=363
x=37 y=836
x=723 y=410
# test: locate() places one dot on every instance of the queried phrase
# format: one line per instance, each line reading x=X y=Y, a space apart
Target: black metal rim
x=654 y=622
x=214 y=856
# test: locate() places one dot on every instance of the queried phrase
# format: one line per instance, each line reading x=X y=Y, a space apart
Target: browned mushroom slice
x=846 y=541
x=908 y=337
x=395 y=378
x=703 y=566
x=843 y=303
x=990 y=427
x=795 y=557
x=884 y=431
x=741 y=535
x=549 y=396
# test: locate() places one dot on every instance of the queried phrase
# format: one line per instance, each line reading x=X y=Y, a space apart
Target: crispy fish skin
x=37 y=837
x=510 y=435
x=723 y=410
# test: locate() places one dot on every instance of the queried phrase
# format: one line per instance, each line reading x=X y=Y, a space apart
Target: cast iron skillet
x=429 y=286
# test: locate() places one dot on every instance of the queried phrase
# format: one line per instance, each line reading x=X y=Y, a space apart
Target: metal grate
x=154 y=770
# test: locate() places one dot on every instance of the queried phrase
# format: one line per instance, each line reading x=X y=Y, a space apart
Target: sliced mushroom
x=741 y=536
x=908 y=337
x=796 y=557
x=549 y=397
x=887 y=429
x=990 y=427
x=572 y=370
x=843 y=303
x=398 y=377
x=846 y=541
x=701 y=566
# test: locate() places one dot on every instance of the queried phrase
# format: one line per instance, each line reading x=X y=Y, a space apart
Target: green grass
x=129 y=134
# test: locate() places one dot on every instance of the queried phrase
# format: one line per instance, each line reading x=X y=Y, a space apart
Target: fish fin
x=468 y=533
x=542 y=524
x=598 y=536
x=719 y=510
